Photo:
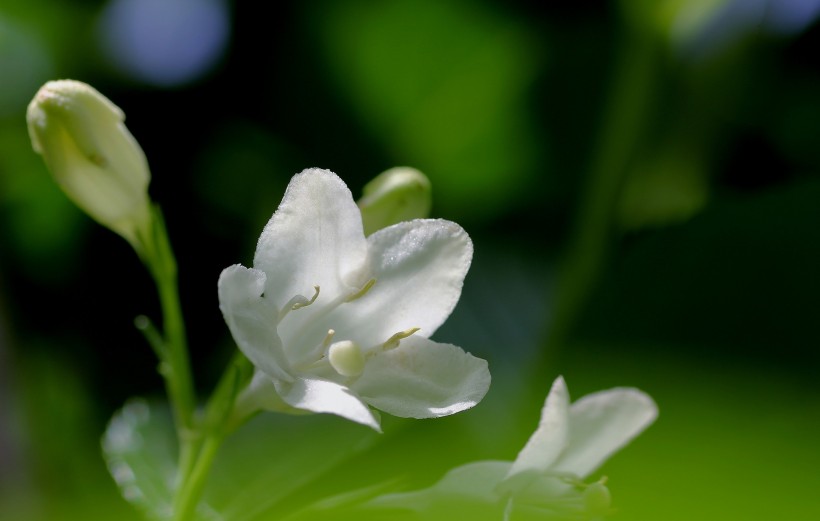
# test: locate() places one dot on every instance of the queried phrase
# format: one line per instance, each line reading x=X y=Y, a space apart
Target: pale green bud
x=396 y=195
x=598 y=500
x=92 y=156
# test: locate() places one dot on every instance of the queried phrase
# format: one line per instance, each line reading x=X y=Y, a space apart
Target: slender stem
x=180 y=370
x=188 y=495
x=175 y=364
x=624 y=121
x=198 y=441
x=218 y=424
x=152 y=336
x=163 y=266
x=179 y=379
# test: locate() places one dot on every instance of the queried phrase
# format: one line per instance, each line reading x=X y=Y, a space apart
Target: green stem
x=191 y=489
x=218 y=424
x=172 y=348
x=163 y=265
x=622 y=126
x=181 y=382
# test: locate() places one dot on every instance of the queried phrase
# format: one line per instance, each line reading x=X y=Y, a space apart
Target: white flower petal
x=252 y=319
x=419 y=268
x=546 y=443
x=338 y=308
x=467 y=490
x=314 y=238
x=601 y=424
x=323 y=396
x=423 y=379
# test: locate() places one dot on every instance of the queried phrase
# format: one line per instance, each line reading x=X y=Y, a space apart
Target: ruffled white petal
x=423 y=379
x=546 y=443
x=323 y=396
x=467 y=491
x=419 y=268
x=314 y=238
x=252 y=319
x=601 y=424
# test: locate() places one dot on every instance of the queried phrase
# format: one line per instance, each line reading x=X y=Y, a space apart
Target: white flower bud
x=396 y=195
x=92 y=156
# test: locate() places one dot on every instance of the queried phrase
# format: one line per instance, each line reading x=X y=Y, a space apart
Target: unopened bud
x=598 y=499
x=92 y=156
x=396 y=195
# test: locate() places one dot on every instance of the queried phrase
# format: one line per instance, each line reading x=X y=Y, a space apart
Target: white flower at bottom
x=544 y=481
x=336 y=323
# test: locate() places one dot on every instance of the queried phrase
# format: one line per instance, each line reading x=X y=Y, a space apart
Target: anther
x=393 y=341
x=362 y=292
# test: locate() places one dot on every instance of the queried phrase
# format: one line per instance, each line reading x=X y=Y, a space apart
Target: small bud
x=396 y=195
x=598 y=499
x=92 y=156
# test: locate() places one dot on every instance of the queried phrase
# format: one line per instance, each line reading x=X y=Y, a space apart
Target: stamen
x=297 y=302
x=306 y=303
x=393 y=341
x=328 y=339
x=362 y=292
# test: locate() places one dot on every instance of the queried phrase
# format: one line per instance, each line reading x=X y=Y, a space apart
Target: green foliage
x=442 y=86
x=262 y=472
x=140 y=448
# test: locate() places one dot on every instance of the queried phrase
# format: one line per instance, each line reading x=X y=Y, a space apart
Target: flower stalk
x=93 y=157
x=624 y=121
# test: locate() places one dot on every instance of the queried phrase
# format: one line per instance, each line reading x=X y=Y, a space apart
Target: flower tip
x=65 y=98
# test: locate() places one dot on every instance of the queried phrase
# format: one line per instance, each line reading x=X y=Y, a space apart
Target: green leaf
x=272 y=465
x=140 y=449
x=267 y=468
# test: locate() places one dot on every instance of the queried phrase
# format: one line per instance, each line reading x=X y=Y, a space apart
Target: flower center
x=345 y=357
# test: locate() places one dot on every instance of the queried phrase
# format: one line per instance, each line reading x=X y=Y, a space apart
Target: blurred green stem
x=188 y=494
x=217 y=425
x=199 y=439
x=175 y=365
x=623 y=123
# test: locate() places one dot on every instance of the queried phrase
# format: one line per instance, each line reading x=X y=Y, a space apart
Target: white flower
x=92 y=156
x=544 y=481
x=335 y=322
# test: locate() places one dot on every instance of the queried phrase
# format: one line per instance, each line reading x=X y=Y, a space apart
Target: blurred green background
x=641 y=180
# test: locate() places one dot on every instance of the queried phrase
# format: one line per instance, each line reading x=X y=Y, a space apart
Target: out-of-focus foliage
x=679 y=139
x=460 y=115
x=259 y=475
